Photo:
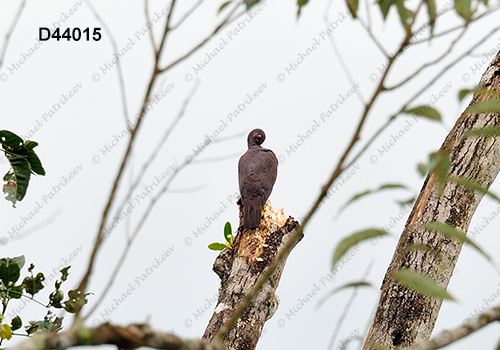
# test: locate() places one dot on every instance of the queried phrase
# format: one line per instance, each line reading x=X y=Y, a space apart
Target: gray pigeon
x=257 y=171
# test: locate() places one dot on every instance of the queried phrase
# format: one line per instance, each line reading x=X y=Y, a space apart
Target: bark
x=405 y=317
x=239 y=268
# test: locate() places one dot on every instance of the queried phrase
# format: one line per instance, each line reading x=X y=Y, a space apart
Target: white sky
x=256 y=54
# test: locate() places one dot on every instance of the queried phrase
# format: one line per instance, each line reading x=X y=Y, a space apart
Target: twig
x=224 y=22
x=133 y=187
x=11 y=30
x=433 y=62
x=158 y=147
x=118 y=64
x=346 y=308
x=342 y=62
x=469 y=326
x=151 y=34
x=186 y=15
x=133 y=132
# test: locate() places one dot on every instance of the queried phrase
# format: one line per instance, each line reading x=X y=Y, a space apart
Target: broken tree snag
x=239 y=267
x=403 y=316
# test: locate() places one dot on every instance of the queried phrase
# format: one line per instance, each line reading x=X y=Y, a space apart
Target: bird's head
x=256 y=137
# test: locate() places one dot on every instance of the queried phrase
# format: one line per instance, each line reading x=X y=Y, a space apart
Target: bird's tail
x=251 y=217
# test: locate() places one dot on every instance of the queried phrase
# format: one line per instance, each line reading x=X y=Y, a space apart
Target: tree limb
x=469 y=326
x=128 y=338
x=240 y=267
x=403 y=316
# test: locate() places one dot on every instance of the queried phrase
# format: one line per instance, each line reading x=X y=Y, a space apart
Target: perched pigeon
x=257 y=171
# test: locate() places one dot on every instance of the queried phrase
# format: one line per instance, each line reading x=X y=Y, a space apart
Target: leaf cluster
x=11 y=287
x=23 y=162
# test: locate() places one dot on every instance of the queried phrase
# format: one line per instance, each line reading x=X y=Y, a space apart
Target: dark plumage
x=257 y=171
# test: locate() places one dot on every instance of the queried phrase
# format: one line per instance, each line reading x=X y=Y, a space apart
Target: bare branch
x=346 y=308
x=224 y=22
x=118 y=64
x=133 y=133
x=130 y=337
x=151 y=34
x=186 y=15
x=10 y=31
x=468 y=327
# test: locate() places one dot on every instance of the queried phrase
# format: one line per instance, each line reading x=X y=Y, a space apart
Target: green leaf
x=16 y=323
x=35 y=163
x=431 y=11
x=64 y=273
x=477 y=90
x=345 y=286
x=420 y=283
x=223 y=6
x=357 y=196
x=55 y=299
x=76 y=300
x=424 y=111
x=49 y=324
x=354 y=239
x=406 y=202
x=216 y=246
x=487 y=106
x=16 y=292
x=34 y=284
x=228 y=233
x=20 y=260
x=385 y=5
x=422 y=247
x=404 y=14
x=301 y=3
x=9 y=140
x=353 y=5
x=18 y=179
x=9 y=271
x=451 y=231
x=251 y=3
x=474 y=186
x=463 y=9
x=439 y=164
x=486 y=131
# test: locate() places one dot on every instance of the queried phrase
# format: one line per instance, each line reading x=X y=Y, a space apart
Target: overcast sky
x=267 y=70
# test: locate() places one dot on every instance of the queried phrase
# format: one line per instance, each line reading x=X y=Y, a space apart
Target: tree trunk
x=239 y=268
x=403 y=316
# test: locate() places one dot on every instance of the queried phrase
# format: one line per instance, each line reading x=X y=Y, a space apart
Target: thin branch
x=159 y=146
x=431 y=63
x=134 y=235
x=342 y=62
x=133 y=187
x=216 y=159
x=118 y=64
x=224 y=22
x=151 y=34
x=133 y=133
x=373 y=37
x=186 y=15
x=469 y=326
x=452 y=29
x=415 y=96
x=346 y=308
x=11 y=30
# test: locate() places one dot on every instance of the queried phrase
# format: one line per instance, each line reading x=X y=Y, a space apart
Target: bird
x=257 y=172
